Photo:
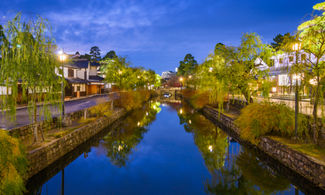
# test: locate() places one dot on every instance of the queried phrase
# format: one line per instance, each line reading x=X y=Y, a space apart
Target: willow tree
x=312 y=35
x=245 y=74
x=29 y=63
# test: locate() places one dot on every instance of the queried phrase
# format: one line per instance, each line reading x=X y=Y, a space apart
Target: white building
x=167 y=75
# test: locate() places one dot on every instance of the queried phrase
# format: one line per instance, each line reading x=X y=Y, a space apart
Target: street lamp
x=62 y=58
x=296 y=47
x=120 y=73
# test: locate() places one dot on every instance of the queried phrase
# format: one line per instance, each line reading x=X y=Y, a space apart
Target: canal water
x=165 y=149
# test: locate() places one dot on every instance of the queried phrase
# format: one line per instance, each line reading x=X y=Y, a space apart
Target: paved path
x=23 y=118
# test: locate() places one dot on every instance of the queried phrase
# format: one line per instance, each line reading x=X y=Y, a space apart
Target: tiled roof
x=76 y=80
x=80 y=63
x=95 y=78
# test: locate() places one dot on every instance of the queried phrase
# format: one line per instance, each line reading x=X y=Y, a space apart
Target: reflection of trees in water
x=210 y=140
x=120 y=142
x=231 y=174
x=247 y=175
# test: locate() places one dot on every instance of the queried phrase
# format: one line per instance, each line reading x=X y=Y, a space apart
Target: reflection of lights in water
x=120 y=148
x=138 y=124
x=210 y=148
x=190 y=121
x=181 y=111
x=147 y=113
x=164 y=105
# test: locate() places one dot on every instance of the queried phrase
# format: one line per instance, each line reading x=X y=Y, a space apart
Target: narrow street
x=23 y=117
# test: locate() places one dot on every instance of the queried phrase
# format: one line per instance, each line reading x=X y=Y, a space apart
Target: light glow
x=273 y=89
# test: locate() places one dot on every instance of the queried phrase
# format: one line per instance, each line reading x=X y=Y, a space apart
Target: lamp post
x=62 y=58
x=120 y=73
x=296 y=48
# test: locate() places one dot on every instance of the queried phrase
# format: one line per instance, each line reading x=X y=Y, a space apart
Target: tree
x=110 y=55
x=29 y=61
x=279 y=40
x=187 y=66
x=86 y=56
x=244 y=74
x=116 y=71
x=94 y=53
x=2 y=36
x=312 y=35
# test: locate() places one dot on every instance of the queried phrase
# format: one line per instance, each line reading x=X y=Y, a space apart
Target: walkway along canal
x=166 y=148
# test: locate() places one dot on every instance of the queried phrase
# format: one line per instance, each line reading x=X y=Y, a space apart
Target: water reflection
x=120 y=142
x=234 y=170
x=179 y=152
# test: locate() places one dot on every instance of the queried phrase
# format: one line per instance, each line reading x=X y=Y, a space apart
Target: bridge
x=170 y=93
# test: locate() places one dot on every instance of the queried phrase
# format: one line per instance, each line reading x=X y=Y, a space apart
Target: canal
x=165 y=149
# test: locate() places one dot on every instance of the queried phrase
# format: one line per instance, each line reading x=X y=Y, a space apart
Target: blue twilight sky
x=158 y=33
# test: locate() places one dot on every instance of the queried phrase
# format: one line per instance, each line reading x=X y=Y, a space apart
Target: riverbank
x=49 y=152
x=306 y=166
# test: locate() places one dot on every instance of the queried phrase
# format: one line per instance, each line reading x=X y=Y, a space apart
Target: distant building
x=168 y=75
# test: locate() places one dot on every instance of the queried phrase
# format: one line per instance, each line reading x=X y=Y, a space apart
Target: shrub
x=200 y=99
x=132 y=99
x=13 y=165
x=103 y=109
x=265 y=118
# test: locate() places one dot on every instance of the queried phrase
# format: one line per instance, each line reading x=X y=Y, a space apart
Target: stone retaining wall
x=26 y=133
x=308 y=167
x=42 y=157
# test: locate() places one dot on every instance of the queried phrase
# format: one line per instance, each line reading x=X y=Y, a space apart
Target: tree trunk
x=315 y=126
x=36 y=139
x=248 y=97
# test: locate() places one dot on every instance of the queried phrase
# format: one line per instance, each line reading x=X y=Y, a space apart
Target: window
x=283 y=80
x=70 y=72
x=303 y=57
x=280 y=60
x=290 y=58
x=78 y=88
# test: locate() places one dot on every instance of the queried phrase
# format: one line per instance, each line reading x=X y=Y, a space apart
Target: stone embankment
x=306 y=166
x=48 y=153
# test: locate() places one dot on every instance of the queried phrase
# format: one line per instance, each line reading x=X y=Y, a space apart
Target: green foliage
x=100 y=110
x=130 y=100
x=279 y=41
x=110 y=55
x=13 y=165
x=235 y=70
x=187 y=66
x=94 y=53
x=312 y=36
x=259 y=119
x=29 y=62
x=119 y=72
x=198 y=99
